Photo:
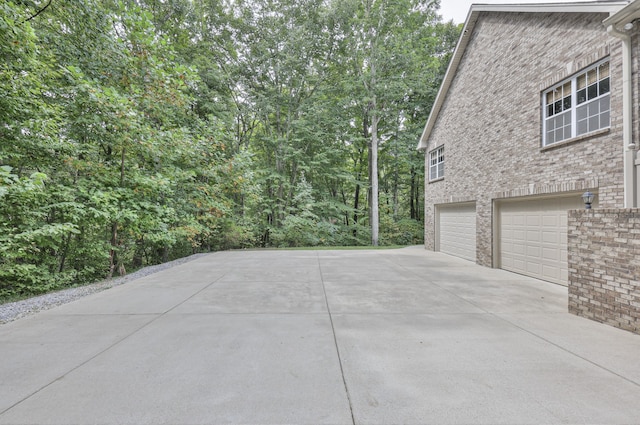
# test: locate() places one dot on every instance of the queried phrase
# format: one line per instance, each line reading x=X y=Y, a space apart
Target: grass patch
x=326 y=248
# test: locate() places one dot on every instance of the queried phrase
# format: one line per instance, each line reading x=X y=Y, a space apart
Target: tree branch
x=39 y=12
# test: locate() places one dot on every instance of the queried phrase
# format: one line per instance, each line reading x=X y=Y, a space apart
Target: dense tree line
x=137 y=131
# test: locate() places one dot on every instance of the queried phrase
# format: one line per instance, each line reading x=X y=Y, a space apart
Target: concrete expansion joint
x=337 y=347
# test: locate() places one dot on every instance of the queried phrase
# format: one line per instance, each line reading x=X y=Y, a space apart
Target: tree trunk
x=113 y=258
x=65 y=252
x=395 y=187
x=373 y=171
x=373 y=161
x=114 y=262
x=356 y=205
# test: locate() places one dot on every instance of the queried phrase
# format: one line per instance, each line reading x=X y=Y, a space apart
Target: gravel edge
x=19 y=309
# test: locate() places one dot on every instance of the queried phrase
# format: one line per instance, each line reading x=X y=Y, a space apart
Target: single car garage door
x=457 y=230
x=533 y=237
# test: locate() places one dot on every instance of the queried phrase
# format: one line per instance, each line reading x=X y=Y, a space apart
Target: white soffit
x=610 y=7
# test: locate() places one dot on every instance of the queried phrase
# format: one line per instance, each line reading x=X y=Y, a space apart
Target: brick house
x=535 y=109
x=529 y=116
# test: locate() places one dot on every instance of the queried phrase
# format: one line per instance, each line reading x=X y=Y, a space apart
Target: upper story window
x=436 y=163
x=578 y=105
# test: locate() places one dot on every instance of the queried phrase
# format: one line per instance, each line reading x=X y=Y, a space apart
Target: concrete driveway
x=320 y=337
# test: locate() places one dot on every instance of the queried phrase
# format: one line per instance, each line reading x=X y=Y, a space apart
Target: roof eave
x=624 y=16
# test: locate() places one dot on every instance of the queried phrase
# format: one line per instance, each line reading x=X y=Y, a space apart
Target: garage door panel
x=549 y=237
x=532 y=268
x=551 y=273
x=548 y=220
x=550 y=254
x=457 y=231
x=519 y=249
x=564 y=275
x=540 y=226
x=533 y=235
x=532 y=220
x=532 y=251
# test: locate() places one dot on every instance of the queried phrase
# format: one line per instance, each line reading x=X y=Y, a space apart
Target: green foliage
x=136 y=132
x=403 y=232
x=26 y=238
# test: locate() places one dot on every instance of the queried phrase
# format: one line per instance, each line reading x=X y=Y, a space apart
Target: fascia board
x=581 y=7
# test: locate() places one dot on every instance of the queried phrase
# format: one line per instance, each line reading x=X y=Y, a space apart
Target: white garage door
x=457 y=230
x=533 y=237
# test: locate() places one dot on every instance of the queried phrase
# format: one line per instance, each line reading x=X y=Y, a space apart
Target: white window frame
x=565 y=116
x=436 y=163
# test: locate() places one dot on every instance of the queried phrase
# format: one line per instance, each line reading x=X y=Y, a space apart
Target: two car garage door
x=531 y=235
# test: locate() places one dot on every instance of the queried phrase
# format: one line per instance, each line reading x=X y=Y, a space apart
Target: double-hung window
x=578 y=105
x=436 y=163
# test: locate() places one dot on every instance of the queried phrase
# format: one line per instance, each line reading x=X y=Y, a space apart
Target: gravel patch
x=16 y=310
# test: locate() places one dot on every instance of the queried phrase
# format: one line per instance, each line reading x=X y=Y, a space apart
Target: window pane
x=566 y=103
x=557 y=106
x=581 y=112
x=592 y=91
x=550 y=110
x=549 y=139
x=582 y=96
x=582 y=127
x=604 y=112
x=592 y=76
x=594 y=122
x=593 y=108
x=604 y=70
x=559 y=134
x=605 y=120
x=582 y=81
x=558 y=121
x=566 y=89
x=604 y=86
x=549 y=98
x=605 y=104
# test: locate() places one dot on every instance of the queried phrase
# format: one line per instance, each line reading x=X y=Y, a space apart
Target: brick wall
x=604 y=266
x=490 y=122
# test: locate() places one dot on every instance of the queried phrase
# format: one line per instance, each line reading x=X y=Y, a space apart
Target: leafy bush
x=402 y=232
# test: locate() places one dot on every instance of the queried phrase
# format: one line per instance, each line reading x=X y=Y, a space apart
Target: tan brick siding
x=490 y=122
x=604 y=266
